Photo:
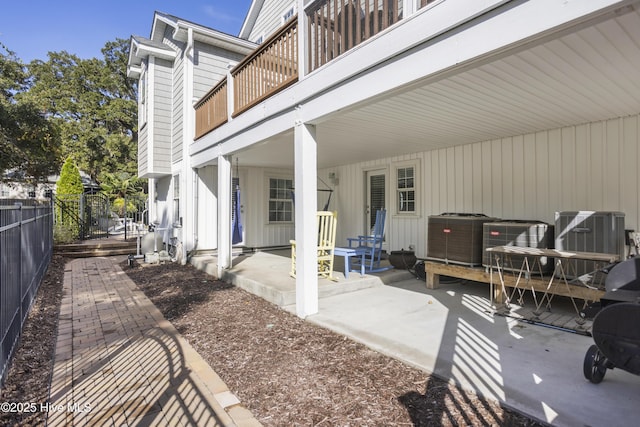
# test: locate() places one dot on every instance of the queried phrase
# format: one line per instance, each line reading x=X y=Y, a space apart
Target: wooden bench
x=434 y=270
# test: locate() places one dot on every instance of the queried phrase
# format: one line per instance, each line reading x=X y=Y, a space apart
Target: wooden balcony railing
x=211 y=110
x=335 y=26
x=269 y=69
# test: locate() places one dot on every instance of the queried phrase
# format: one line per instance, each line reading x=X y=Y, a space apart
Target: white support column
x=224 y=214
x=305 y=215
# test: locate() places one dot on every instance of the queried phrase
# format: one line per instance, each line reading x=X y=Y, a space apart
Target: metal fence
x=26 y=245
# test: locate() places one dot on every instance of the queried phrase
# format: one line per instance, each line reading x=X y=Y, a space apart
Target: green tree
x=29 y=142
x=94 y=104
x=120 y=184
x=69 y=210
x=70 y=182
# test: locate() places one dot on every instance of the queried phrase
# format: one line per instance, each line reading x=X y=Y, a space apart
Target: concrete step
x=96 y=248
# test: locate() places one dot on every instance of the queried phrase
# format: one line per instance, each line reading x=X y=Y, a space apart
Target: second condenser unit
x=520 y=233
x=589 y=231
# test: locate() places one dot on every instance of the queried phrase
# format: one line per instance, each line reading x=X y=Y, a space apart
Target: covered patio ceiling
x=583 y=75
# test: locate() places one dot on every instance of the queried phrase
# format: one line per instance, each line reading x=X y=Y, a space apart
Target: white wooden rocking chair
x=326 y=224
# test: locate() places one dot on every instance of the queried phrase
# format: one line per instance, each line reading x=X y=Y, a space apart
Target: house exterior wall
x=587 y=167
x=270 y=18
x=162 y=101
x=143 y=150
x=178 y=102
x=255 y=200
x=154 y=137
x=211 y=65
x=259 y=233
x=161 y=213
x=207 y=208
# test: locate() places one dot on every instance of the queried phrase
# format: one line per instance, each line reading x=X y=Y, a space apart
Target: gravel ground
x=285 y=370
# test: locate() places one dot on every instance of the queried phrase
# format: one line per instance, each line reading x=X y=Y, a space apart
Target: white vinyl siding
x=143 y=151
x=178 y=102
x=587 y=167
x=270 y=18
x=162 y=115
x=154 y=139
x=211 y=66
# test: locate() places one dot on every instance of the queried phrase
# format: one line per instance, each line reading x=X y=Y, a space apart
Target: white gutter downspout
x=189 y=180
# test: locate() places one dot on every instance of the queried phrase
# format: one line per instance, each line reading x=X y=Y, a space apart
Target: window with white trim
x=406 y=191
x=280 y=200
x=288 y=14
x=143 y=99
x=176 y=200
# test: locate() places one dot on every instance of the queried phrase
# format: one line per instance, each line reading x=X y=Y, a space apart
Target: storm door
x=376 y=198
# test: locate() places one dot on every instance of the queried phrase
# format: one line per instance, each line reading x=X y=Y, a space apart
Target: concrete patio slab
x=452 y=332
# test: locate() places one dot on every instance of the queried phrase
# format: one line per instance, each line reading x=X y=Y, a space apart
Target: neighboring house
x=14 y=186
x=514 y=109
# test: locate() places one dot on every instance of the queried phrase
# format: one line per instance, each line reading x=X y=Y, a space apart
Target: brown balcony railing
x=335 y=26
x=211 y=110
x=269 y=69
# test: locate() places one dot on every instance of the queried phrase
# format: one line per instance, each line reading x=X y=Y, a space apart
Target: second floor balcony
x=333 y=27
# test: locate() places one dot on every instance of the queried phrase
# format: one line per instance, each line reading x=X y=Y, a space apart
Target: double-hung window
x=176 y=201
x=280 y=200
x=406 y=191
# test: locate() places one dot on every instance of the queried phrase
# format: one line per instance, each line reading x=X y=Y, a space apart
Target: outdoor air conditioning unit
x=456 y=238
x=527 y=234
x=589 y=231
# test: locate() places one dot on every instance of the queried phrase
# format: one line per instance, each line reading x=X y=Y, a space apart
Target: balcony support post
x=305 y=148
x=224 y=214
x=303 y=41
x=409 y=7
x=230 y=93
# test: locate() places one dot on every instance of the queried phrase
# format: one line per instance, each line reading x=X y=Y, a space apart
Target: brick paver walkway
x=118 y=362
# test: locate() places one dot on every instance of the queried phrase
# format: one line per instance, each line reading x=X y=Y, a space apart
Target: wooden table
x=559 y=283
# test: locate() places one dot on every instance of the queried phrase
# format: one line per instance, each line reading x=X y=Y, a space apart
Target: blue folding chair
x=373 y=246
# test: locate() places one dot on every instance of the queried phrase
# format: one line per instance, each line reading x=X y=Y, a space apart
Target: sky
x=31 y=28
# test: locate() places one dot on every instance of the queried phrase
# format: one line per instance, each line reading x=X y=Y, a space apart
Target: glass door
x=376 y=197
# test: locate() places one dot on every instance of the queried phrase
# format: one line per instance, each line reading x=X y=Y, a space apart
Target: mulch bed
x=285 y=370
x=29 y=373
x=291 y=372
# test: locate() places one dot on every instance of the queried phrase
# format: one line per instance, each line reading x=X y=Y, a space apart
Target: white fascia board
x=205 y=34
x=250 y=19
x=146 y=50
x=160 y=17
x=133 y=72
x=225 y=41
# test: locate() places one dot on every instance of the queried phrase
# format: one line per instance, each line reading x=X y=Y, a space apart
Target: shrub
x=64 y=233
